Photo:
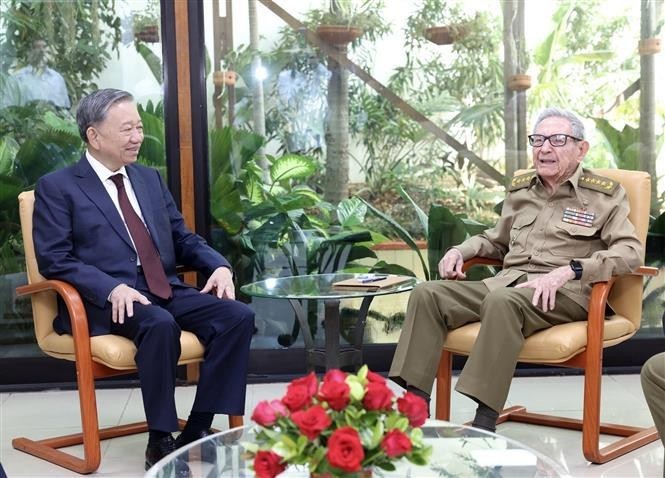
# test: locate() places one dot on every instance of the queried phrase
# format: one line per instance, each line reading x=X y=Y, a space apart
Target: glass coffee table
x=319 y=287
x=458 y=451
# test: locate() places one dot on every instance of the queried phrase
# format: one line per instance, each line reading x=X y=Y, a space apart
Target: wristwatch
x=576 y=266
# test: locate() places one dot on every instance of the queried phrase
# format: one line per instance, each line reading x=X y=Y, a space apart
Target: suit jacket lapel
x=93 y=188
x=142 y=192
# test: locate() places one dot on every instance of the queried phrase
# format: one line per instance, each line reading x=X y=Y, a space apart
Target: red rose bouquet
x=342 y=425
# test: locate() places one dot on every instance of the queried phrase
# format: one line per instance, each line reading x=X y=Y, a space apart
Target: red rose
x=311 y=422
x=334 y=375
x=414 y=407
x=396 y=443
x=266 y=413
x=309 y=381
x=336 y=394
x=375 y=377
x=378 y=397
x=268 y=464
x=345 y=450
x=299 y=392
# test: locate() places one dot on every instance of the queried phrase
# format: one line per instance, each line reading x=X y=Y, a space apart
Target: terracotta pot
x=148 y=34
x=445 y=35
x=519 y=82
x=649 y=46
x=220 y=78
x=338 y=34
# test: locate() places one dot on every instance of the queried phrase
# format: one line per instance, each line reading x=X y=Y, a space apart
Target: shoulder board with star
x=521 y=181
x=598 y=183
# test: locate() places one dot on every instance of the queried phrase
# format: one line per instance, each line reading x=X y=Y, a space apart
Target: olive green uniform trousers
x=653 y=385
x=507 y=317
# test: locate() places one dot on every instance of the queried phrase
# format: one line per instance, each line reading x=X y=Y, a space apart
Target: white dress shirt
x=105 y=177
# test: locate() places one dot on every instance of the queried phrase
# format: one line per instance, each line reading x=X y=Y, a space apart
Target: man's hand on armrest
x=450 y=266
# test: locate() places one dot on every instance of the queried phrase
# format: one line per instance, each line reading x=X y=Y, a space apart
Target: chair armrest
x=77 y=314
x=646 y=271
x=184 y=269
x=481 y=261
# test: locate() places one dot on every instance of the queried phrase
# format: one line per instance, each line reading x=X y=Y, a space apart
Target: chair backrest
x=626 y=295
x=44 y=304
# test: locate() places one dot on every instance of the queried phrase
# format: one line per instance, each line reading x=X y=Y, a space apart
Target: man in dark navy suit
x=111 y=228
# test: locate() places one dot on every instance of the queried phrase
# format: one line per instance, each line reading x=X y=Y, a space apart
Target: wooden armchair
x=577 y=344
x=95 y=357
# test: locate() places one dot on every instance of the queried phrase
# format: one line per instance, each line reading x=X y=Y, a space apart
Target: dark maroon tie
x=153 y=270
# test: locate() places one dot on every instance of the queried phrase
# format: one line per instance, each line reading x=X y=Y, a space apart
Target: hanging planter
x=227 y=78
x=446 y=35
x=338 y=34
x=649 y=46
x=519 y=82
x=148 y=34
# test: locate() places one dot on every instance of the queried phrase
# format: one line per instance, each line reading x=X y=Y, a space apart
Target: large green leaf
x=445 y=230
x=402 y=233
x=153 y=151
x=422 y=217
x=153 y=61
x=624 y=144
x=351 y=212
x=292 y=166
x=226 y=205
x=8 y=149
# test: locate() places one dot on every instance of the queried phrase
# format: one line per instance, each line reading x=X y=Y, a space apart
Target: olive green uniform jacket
x=585 y=219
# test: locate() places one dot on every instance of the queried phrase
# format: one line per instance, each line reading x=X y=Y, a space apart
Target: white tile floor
x=50 y=413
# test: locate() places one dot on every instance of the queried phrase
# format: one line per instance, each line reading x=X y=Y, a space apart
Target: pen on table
x=363 y=280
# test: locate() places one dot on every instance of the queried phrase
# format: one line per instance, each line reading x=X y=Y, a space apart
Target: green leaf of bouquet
x=416 y=435
x=397 y=421
x=250 y=446
x=362 y=373
x=357 y=388
x=301 y=444
x=377 y=435
x=285 y=448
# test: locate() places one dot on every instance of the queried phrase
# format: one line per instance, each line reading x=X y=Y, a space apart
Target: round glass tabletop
x=319 y=286
x=458 y=451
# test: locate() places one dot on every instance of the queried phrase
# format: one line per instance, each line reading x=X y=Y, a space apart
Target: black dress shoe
x=206 y=451
x=181 y=441
x=158 y=450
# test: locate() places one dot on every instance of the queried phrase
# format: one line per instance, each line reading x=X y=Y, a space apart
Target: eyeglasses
x=556 y=140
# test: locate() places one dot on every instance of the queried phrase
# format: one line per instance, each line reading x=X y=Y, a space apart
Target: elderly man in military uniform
x=561 y=229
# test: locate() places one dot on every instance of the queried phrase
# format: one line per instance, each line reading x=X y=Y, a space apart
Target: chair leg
x=235 y=421
x=47 y=449
x=590 y=425
x=444 y=386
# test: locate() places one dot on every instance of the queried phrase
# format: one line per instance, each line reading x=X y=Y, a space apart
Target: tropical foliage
x=81 y=36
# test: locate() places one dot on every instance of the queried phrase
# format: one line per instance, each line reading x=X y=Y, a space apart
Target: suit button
x=536 y=252
x=133 y=259
x=530 y=266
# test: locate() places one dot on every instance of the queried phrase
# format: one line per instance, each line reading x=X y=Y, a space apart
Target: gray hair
x=93 y=108
x=576 y=125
